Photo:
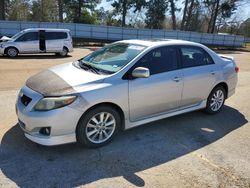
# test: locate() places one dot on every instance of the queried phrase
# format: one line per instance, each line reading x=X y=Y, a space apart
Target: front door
x=28 y=42
x=159 y=93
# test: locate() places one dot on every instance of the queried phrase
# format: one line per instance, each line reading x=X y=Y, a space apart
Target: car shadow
x=36 y=56
x=132 y=151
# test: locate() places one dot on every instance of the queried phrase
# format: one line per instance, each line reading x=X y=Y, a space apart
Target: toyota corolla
x=121 y=86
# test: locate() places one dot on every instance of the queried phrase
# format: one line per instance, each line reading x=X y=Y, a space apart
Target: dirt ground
x=190 y=150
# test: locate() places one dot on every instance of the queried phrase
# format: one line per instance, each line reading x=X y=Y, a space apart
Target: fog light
x=45 y=131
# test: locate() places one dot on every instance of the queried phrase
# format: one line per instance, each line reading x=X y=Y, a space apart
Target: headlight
x=49 y=103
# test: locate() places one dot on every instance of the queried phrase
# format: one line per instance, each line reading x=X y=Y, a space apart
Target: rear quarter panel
x=229 y=74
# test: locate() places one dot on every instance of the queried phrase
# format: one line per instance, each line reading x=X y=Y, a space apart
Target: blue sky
x=242 y=13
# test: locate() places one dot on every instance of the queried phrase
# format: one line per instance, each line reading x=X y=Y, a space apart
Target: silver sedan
x=121 y=86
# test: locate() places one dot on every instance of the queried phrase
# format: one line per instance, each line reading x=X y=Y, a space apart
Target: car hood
x=4 y=38
x=62 y=80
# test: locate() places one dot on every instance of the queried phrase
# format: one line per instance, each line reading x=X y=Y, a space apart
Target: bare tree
x=172 y=11
x=189 y=15
x=215 y=15
x=184 y=14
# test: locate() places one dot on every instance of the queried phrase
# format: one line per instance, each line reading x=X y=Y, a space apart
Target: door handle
x=212 y=72
x=176 y=79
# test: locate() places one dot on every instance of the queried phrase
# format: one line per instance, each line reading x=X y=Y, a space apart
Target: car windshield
x=113 y=57
x=17 y=35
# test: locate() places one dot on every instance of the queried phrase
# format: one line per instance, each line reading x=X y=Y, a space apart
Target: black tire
x=11 y=52
x=209 y=108
x=64 y=53
x=82 y=129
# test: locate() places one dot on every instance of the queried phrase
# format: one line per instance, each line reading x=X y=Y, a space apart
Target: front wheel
x=12 y=52
x=98 y=126
x=216 y=100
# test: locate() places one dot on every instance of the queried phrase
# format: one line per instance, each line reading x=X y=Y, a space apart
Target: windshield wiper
x=88 y=66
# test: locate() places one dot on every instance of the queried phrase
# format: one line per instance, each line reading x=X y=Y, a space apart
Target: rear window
x=194 y=56
x=55 y=35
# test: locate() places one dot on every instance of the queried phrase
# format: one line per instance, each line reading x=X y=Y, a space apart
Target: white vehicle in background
x=37 y=40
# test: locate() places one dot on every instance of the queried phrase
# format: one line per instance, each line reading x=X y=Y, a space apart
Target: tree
x=189 y=14
x=2 y=10
x=19 y=10
x=105 y=17
x=76 y=10
x=245 y=28
x=155 y=14
x=196 y=20
x=219 y=8
x=44 y=11
x=172 y=11
x=184 y=14
x=60 y=10
x=122 y=7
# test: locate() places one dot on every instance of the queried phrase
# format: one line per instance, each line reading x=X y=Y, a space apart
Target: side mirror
x=141 y=72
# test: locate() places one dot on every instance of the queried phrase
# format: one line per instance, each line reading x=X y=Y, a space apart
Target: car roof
x=159 y=42
x=46 y=29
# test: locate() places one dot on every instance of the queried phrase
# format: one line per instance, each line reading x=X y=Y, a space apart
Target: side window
x=62 y=35
x=31 y=36
x=55 y=35
x=194 y=56
x=159 y=60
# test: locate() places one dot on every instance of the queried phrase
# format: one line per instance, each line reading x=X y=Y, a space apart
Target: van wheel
x=215 y=100
x=11 y=52
x=64 y=52
x=98 y=127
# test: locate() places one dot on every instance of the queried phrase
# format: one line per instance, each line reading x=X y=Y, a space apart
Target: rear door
x=55 y=41
x=159 y=93
x=28 y=42
x=199 y=72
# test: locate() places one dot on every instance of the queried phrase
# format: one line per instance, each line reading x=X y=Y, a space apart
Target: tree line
x=190 y=15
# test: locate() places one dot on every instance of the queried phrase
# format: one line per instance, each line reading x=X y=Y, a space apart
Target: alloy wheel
x=12 y=52
x=100 y=127
x=217 y=100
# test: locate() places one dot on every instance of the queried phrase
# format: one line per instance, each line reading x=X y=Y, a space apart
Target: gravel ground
x=190 y=150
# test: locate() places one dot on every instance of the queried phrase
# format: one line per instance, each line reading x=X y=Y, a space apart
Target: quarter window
x=159 y=60
x=55 y=35
x=31 y=36
x=194 y=56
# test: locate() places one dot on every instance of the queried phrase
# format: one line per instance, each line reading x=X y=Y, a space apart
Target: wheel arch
x=66 y=48
x=5 y=50
x=113 y=105
x=224 y=85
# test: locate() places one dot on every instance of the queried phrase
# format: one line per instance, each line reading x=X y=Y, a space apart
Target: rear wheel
x=64 y=52
x=98 y=126
x=216 y=100
x=11 y=52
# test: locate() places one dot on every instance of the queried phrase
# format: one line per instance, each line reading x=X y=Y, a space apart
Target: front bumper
x=62 y=121
x=2 y=50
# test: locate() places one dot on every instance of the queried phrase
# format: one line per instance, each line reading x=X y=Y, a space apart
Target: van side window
x=55 y=35
x=159 y=60
x=30 y=36
x=194 y=56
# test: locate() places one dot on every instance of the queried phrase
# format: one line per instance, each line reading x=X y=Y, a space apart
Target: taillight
x=237 y=69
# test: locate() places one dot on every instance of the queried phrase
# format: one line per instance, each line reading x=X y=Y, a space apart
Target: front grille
x=25 y=100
